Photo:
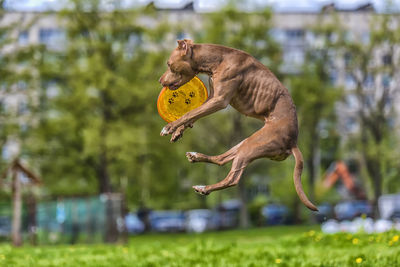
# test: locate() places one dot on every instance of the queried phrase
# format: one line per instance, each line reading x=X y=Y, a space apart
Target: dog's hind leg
x=231 y=179
x=219 y=160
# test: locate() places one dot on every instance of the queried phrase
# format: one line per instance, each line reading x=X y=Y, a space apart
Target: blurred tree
x=98 y=106
x=16 y=91
x=371 y=63
x=315 y=98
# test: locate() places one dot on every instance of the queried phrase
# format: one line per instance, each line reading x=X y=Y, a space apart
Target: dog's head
x=180 y=69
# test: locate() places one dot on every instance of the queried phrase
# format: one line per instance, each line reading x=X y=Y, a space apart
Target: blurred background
x=81 y=157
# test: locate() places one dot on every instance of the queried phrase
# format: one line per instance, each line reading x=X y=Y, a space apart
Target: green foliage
x=315 y=98
x=16 y=82
x=96 y=133
x=374 y=145
x=274 y=246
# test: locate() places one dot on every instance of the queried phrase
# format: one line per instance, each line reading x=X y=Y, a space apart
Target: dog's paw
x=191 y=156
x=164 y=131
x=168 y=129
x=175 y=137
x=201 y=189
x=177 y=134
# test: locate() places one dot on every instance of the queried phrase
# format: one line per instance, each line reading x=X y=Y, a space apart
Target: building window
x=134 y=41
x=23 y=38
x=351 y=101
x=294 y=56
x=350 y=81
x=369 y=81
x=386 y=81
x=278 y=35
x=387 y=60
x=22 y=107
x=52 y=90
x=22 y=85
x=347 y=59
x=349 y=36
x=52 y=38
x=365 y=38
x=295 y=34
x=351 y=124
x=333 y=76
x=181 y=36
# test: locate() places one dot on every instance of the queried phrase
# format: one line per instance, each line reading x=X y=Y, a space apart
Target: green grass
x=273 y=246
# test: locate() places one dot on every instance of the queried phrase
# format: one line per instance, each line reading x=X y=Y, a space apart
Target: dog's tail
x=297 y=179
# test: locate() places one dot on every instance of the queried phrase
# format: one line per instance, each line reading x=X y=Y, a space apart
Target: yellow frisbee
x=173 y=104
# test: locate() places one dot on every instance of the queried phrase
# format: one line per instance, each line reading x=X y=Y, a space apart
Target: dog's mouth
x=174 y=86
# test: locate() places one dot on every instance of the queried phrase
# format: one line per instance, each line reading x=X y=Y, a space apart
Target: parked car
x=5 y=226
x=227 y=214
x=133 y=224
x=200 y=220
x=351 y=209
x=275 y=214
x=389 y=206
x=325 y=212
x=395 y=216
x=167 y=221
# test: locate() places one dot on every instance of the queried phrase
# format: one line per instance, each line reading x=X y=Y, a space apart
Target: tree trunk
x=244 y=213
x=312 y=163
x=237 y=134
x=102 y=174
x=31 y=207
x=17 y=210
x=373 y=168
x=296 y=211
x=373 y=163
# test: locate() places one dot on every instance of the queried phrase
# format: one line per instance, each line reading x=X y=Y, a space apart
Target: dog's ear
x=185 y=46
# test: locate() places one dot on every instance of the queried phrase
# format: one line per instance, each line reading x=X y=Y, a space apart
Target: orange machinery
x=340 y=171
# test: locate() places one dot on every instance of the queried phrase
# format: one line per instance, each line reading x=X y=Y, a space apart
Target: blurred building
x=292 y=21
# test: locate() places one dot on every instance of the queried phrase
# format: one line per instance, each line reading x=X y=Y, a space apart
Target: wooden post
x=17 y=209
x=31 y=208
x=15 y=167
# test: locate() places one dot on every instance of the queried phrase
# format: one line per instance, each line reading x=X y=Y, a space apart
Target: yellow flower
x=311 y=233
x=355 y=241
x=125 y=250
x=278 y=261
x=395 y=238
x=359 y=260
x=2 y=257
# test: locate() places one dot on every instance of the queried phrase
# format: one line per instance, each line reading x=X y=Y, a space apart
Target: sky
x=210 y=5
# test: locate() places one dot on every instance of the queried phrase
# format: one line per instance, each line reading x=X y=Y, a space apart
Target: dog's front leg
x=212 y=105
x=220 y=100
x=179 y=132
x=177 y=127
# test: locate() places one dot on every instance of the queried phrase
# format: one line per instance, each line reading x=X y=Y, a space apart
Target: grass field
x=273 y=246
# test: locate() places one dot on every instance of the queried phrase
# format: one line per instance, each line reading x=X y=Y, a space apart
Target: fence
x=72 y=220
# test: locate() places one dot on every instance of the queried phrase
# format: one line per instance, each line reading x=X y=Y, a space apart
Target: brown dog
x=238 y=79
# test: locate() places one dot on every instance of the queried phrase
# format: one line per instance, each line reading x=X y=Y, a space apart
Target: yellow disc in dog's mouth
x=173 y=104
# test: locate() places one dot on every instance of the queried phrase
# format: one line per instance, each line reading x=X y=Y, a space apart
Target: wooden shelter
x=15 y=168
